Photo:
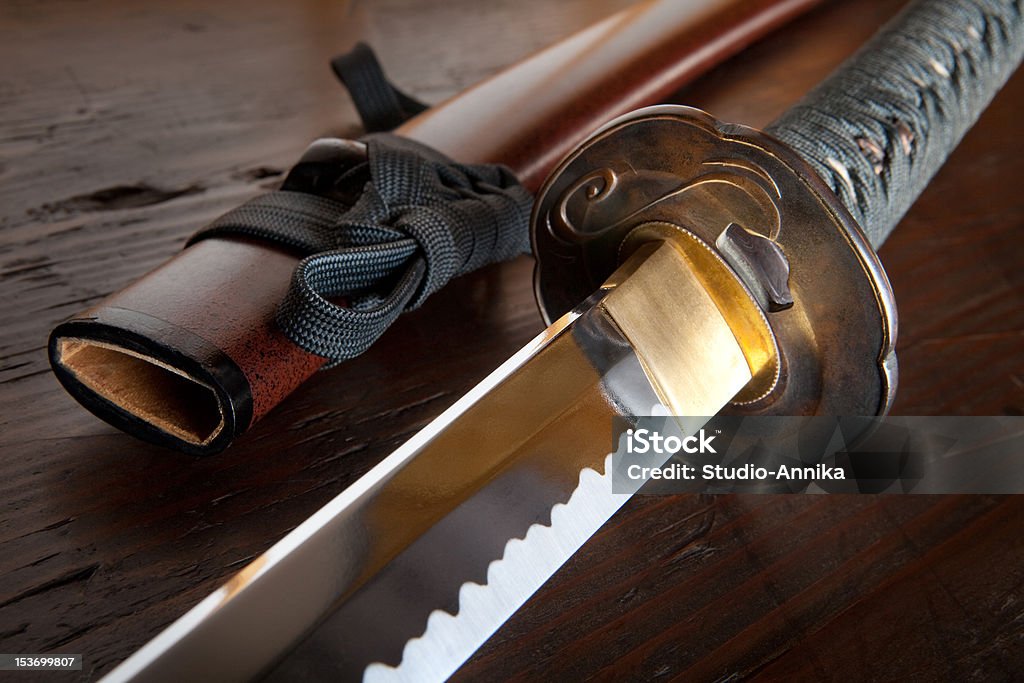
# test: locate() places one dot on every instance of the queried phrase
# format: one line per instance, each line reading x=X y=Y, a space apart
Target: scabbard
x=190 y=356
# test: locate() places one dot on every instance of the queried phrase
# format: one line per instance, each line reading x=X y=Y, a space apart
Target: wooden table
x=126 y=126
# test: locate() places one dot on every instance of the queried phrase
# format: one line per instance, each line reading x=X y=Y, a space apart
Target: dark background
x=126 y=126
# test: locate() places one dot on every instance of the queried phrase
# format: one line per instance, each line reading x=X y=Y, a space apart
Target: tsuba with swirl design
x=744 y=194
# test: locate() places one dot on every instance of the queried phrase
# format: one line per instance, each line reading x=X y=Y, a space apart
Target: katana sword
x=687 y=266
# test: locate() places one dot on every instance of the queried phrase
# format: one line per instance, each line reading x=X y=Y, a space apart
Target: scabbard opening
x=164 y=396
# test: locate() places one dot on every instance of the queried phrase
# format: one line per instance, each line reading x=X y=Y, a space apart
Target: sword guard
x=753 y=202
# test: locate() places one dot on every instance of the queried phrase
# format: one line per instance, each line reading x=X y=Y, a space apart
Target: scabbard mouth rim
x=134 y=419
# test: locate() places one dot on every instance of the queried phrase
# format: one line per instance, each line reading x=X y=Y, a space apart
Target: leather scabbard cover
x=189 y=356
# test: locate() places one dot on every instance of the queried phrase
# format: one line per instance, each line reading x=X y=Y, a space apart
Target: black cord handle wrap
x=880 y=127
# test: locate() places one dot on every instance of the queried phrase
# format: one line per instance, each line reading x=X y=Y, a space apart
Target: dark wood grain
x=123 y=127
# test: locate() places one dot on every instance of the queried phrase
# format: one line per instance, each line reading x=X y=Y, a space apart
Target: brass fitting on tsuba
x=745 y=204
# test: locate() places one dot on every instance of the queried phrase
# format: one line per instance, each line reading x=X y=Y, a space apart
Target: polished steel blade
x=414 y=566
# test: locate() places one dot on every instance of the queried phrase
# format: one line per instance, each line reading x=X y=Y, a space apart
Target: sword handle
x=882 y=124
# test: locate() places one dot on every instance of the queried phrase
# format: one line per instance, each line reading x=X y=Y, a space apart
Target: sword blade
x=406 y=573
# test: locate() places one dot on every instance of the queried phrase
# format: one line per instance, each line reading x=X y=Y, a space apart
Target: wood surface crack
x=64 y=640
x=119 y=197
x=48 y=527
x=690 y=547
x=79 y=575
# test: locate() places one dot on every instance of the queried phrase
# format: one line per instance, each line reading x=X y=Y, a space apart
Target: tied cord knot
x=420 y=220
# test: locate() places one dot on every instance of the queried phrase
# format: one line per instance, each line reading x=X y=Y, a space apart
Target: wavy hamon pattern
x=511 y=580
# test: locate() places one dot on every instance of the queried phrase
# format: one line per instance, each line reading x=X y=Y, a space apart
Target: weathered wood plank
x=123 y=128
